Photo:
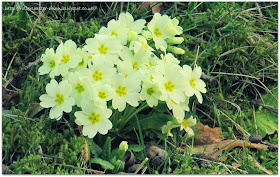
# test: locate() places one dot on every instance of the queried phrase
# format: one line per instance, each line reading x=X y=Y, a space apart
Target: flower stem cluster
x=119 y=66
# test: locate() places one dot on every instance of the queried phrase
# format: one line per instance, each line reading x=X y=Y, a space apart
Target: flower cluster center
x=135 y=65
x=193 y=84
x=65 y=59
x=102 y=95
x=102 y=49
x=80 y=88
x=121 y=91
x=97 y=76
x=114 y=33
x=185 y=123
x=157 y=32
x=94 y=118
x=59 y=99
x=169 y=86
x=52 y=64
x=144 y=45
x=150 y=91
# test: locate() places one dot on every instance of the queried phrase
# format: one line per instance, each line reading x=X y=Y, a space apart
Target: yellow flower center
x=157 y=32
x=97 y=76
x=169 y=86
x=80 y=88
x=94 y=118
x=65 y=59
x=121 y=91
x=102 y=95
x=150 y=91
x=135 y=65
x=90 y=57
x=185 y=123
x=169 y=132
x=102 y=49
x=114 y=33
x=82 y=62
x=144 y=45
x=193 y=84
x=52 y=64
x=151 y=77
x=59 y=99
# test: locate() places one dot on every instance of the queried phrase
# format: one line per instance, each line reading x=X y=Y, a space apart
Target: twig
x=10 y=66
x=258 y=7
x=196 y=56
x=236 y=124
x=259 y=166
x=26 y=68
x=31 y=55
x=219 y=163
x=45 y=155
x=141 y=165
x=254 y=102
x=143 y=171
x=210 y=79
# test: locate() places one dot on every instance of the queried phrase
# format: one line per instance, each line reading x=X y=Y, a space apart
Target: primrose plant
x=119 y=67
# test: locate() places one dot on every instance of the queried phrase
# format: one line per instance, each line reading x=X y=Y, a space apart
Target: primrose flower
x=116 y=29
x=57 y=97
x=194 y=85
x=161 y=28
x=186 y=124
x=101 y=93
x=166 y=129
x=86 y=56
x=135 y=27
x=178 y=109
x=50 y=60
x=67 y=54
x=81 y=89
x=126 y=91
x=151 y=93
x=140 y=43
x=137 y=60
x=93 y=118
x=171 y=85
x=104 y=48
x=100 y=71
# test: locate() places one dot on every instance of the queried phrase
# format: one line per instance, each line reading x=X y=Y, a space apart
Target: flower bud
x=122 y=149
x=176 y=50
x=175 y=40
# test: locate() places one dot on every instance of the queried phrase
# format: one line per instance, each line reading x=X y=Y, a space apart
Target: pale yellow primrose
x=93 y=118
x=58 y=98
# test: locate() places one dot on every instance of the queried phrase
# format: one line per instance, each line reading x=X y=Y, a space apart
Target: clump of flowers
x=119 y=67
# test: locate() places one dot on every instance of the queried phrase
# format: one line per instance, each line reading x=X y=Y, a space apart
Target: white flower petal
x=56 y=112
x=47 y=101
x=67 y=105
x=81 y=118
x=198 y=96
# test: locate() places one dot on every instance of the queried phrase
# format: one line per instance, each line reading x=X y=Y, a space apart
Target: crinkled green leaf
x=154 y=121
x=136 y=147
x=267 y=121
x=94 y=148
x=107 y=149
x=104 y=164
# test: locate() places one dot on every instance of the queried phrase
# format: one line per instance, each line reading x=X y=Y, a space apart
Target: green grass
x=235 y=42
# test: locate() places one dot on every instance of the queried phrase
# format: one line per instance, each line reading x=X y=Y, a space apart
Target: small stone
x=256 y=138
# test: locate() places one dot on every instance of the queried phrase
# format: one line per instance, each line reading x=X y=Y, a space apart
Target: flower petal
x=56 y=112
